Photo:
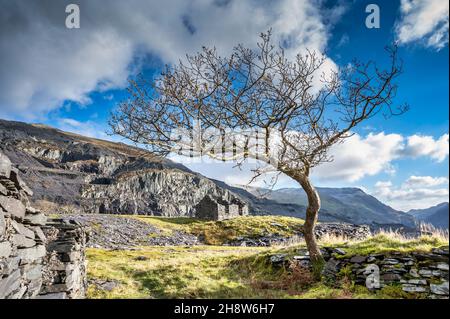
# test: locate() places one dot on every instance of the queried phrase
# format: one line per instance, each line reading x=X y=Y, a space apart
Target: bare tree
x=297 y=112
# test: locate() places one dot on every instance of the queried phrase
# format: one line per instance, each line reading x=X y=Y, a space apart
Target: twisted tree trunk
x=312 y=212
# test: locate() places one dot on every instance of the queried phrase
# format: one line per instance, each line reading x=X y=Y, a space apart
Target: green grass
x=233 y=272
x=210 y=272
x=385 y=243
x=176 y=272
x=195 y=272
x=220 y=232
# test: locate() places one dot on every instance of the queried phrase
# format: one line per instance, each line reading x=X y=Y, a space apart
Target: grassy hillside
x=220 y=232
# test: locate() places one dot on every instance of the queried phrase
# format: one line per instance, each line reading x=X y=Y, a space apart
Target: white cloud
x=356 y=158
x=87 y=128
x=361 y=156
x=229 y=173
x=44 y=64
x=425 y=181
x=426 y=21
x=419 y=145
x=415 y=192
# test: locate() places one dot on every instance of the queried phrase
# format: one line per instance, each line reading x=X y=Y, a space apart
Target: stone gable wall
x=38 y=258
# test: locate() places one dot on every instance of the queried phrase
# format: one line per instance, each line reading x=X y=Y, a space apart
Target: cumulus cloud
x=355 y=158
x=415 y=192
x=361 y=156
x=44 y=64
x=420 y=145
x=85 y=128
x=425 y=21
x=425 y=181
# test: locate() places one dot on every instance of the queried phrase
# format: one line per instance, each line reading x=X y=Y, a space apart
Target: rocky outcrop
x=37 y=259
x=95 y=176
x=169 y=193
x=120 y=232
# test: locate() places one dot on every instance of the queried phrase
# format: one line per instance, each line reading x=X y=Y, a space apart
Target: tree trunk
x=312 y=211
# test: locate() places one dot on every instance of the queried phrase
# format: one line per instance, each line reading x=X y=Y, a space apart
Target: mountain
x=75 y=173
x=350 y=205
x=436 y=215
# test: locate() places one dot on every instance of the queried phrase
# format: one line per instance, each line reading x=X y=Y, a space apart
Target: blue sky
x=71 y=79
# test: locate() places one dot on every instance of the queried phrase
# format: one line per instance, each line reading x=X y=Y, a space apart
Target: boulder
x=331 y=269
x=441 y=251
x=413 y=273
x=33 y=272
x=390 y=261
x=441 y=266
x=339 y=251
x=57 y=295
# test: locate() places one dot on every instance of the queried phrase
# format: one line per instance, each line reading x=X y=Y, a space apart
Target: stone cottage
x=217 y=209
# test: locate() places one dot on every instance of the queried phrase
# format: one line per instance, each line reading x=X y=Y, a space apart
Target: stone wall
x=415 y=272
x=65 y=261
x=37 y=258
x=419 y=273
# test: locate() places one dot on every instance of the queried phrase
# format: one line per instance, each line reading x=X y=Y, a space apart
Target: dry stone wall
x=38 y=258
x=421 y=273
x=424 y=274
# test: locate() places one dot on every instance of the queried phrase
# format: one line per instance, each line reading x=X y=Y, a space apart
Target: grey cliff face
x=154 y=192
x=95 y=176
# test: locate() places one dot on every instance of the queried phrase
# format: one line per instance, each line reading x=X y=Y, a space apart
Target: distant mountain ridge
x=350 y=205
x=107 y=177
x=437 y=215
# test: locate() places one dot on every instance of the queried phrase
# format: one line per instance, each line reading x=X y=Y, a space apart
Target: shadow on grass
x=237 y=278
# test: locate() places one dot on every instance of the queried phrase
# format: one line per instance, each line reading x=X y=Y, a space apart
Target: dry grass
x=220 y=232
x=295 y=281
x=238 y=272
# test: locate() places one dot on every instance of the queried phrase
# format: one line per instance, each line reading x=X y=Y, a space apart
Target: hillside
x=74 y=173
x=351 y=205
x=69 y=172
x=437 y=215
